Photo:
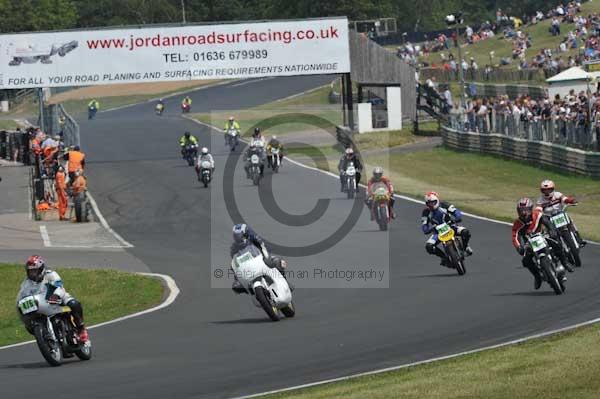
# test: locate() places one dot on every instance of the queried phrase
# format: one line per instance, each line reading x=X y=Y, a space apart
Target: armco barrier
x=536 y=152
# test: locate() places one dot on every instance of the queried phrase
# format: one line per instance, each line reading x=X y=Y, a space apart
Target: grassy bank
x=503 y=48
x=562 y=366
x=104 y=294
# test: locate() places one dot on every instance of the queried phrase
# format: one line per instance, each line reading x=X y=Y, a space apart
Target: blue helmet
x=240 y=232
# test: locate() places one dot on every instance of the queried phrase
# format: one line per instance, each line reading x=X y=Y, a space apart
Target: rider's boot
x=83 y=335
x=469 y=251
x=238 y=288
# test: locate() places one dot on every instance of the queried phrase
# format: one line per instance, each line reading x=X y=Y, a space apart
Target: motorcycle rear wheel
x=53 y=355
x=265 y=303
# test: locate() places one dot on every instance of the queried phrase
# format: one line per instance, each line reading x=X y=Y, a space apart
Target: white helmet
x=274 y=137
x=432 y=200
x=204 y=150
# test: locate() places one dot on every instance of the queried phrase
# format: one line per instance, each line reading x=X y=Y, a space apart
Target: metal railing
x=69 y=126
x=570 y=133
x=498 y=75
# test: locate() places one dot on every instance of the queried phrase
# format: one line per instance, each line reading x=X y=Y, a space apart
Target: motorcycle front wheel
x=573 y=250
x=265 y=303
x=551 y=276
x=51 y=351
x=455 y=259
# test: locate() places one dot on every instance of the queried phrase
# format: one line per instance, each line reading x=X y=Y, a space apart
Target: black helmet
x=187 y=135
x=256 y=131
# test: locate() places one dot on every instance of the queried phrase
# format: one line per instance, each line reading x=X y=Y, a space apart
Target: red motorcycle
x=380 y=205
x=185 y=108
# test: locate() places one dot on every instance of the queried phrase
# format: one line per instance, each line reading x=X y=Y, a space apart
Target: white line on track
x=125 y=244
x=435 y=359
x=173 y=294
x=45 y=236
x=248 y=82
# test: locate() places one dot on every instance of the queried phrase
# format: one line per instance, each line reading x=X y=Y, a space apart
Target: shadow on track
x=444 y=275
x=527 y=293
x=243 y=321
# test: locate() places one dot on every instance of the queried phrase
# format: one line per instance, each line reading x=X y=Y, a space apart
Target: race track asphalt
x=212 y=343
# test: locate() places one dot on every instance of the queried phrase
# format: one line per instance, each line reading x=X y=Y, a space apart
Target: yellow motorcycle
x=453 y=247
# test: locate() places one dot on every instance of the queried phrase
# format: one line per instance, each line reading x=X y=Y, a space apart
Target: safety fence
x=57 y=121
x=569 y=133
x=538 y=153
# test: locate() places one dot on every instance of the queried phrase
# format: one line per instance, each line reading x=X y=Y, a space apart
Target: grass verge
x=301 y=113
x=534 y=369
x=104 y=294
x=8 y=124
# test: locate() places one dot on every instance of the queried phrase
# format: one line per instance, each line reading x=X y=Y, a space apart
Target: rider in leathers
x=531 y=221
x=205 y=156
x=348 y=157
x=378 y=177
x=253 y=150
x=436 y=213
x=38 y=278
x=274 y=143
x=244 y=236
x=553 y=202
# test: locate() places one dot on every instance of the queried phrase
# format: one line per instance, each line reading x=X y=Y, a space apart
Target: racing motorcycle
x=380 y=205
x=159 y=109
x=267 y=287
x=453 y=247
x=350 y=180
x=548 y=265
x=274 y=158
x=185 y=108
x=190 y=152
x=232 y=138
x=562 y=223
x=53 y=327
x=255 y=169
x=205 y=173
x=92 y=112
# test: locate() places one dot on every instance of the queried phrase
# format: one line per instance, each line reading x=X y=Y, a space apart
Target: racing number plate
x=442 y=229
x=537 y=243
x=560 y=220
x=27 y=305
x=247 y=256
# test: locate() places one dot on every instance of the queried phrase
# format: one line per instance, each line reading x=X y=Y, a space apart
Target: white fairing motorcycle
x=350 y=176
x=52 y=325
x=267 y=287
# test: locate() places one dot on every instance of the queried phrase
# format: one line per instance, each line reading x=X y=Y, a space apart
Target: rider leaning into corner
x=438 y=212
x=378 y=177
x=349 y=156
x=186 y=139
x=552 y=202
x=532 y=221
x=243 y=237
x=39 y=277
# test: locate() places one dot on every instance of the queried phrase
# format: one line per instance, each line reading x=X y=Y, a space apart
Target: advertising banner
x=226 y=51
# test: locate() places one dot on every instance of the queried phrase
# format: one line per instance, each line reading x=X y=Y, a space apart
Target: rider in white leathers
x=40 y=278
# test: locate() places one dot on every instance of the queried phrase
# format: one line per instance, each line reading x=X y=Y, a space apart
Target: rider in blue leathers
x=244 y=236
x=438 y=212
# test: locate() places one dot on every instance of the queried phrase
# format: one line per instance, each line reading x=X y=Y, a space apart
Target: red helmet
x=432 y=200
x=525 y=209
x=547 y=188
x=34 y=267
